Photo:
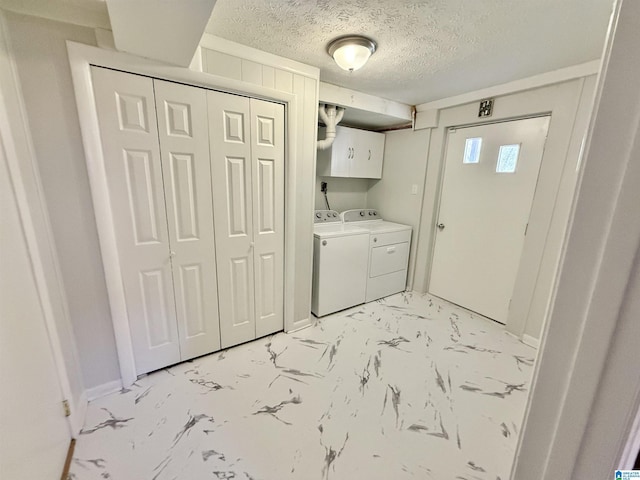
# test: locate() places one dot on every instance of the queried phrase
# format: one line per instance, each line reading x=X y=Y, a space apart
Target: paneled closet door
x=184 y=147
x=231 y=169
x=126 y=111
x=267 y=164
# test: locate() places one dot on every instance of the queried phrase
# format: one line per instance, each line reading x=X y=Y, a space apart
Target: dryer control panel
x=360 y=215
x=324 y=216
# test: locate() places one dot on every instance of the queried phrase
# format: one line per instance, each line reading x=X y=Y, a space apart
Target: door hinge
x=67 y=408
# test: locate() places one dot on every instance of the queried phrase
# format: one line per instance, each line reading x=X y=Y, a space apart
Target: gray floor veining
x=406 y=387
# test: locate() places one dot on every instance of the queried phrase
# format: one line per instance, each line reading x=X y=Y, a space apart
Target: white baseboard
x=306 y=322
x=531 y=341
x=302 y=327
x=104 y=389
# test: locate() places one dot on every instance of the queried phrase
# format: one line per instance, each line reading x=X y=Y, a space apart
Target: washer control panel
x=324 y=216
x=360 y=215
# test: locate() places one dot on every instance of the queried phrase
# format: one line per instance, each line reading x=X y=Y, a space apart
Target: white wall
x=561 y=215
x=405 y=164
x=37 y=226
x=343 y=193
x=586 y=386
x=34 y=434
x=40 y=53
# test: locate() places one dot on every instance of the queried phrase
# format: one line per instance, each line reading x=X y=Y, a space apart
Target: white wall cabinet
x=354 y=153
x=176 y=157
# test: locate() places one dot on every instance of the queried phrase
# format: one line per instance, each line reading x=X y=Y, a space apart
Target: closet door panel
x=231 y=179
x=126 y=112
x=267 y=164
x=184 y=147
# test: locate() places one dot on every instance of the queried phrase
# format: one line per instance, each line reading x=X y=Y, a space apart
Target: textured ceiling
x=428 y=49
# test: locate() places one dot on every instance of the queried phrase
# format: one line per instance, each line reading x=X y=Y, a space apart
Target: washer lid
x=329 y=230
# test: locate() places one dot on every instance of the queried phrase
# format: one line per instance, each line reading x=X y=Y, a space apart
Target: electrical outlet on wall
x=323 y=187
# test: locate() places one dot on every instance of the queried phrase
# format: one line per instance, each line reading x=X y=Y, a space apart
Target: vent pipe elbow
x=330 y=116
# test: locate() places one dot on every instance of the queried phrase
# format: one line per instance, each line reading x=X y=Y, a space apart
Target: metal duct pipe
x=331 y=116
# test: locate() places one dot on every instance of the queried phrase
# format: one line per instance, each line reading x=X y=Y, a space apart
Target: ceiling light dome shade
x=352 y=52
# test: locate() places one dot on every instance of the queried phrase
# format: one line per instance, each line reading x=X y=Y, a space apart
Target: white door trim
x=81 y=57
x=24 y=173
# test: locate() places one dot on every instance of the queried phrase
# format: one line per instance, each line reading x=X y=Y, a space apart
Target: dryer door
x=389 y=259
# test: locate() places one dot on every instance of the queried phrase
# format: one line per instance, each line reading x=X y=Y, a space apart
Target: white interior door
x=184 y=147
x=127 y=116
x=231 y=172
x=489 y=182
x=267 y=171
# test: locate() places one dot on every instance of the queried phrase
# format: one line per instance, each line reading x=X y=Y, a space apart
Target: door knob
x=441 y=226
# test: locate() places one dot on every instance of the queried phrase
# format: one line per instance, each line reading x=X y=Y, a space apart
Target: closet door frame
x=81 y=58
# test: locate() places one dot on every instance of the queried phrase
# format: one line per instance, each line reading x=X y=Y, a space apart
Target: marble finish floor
x=406 y=387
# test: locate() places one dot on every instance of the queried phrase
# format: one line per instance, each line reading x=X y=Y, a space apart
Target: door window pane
x=508 y=158
x=472 y=148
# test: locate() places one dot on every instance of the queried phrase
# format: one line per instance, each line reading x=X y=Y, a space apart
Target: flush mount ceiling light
x=351 y=52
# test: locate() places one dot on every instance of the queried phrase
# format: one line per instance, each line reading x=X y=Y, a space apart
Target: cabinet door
x=126 y=112
x=231 y=179
x=342 y=152
x=367 y=162
x=184 y=148
x=267 y=171
x=375 y=154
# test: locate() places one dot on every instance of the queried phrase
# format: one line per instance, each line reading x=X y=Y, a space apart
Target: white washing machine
x=340 y=256
x=389 y=245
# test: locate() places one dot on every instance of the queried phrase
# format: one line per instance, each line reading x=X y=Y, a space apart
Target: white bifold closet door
x=162 y=212
x=184 y=147
x=127 y=116
x=247 y=158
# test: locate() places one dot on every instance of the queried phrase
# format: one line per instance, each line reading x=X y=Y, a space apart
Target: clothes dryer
x=389 y=246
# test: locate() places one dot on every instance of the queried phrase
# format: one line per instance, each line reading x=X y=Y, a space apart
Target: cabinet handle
x=369 y=155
